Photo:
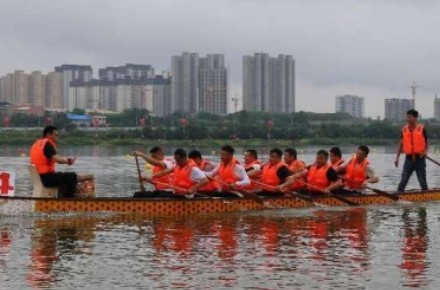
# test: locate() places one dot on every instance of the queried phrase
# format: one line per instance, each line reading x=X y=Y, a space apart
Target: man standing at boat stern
x=44 y=155
x=414 y=144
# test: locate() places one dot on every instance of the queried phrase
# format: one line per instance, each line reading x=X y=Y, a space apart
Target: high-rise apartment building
x=37 y=90
x=54 y=91
x=437 y=108
x=213 y=84
x=395 y=109
x=72 y=72
x=269 y=83
x=350 y=104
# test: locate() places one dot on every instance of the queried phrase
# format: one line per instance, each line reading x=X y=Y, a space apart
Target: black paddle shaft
x=141 y=185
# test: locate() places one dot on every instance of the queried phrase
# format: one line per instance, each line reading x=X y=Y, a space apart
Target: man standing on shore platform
x=414 y=144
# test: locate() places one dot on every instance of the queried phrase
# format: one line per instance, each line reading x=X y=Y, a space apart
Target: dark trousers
x=65 y=181
x=419 y=166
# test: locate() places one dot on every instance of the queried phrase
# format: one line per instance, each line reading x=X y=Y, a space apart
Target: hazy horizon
x=374 y=49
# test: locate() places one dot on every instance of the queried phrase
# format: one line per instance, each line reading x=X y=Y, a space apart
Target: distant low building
x=79 y=120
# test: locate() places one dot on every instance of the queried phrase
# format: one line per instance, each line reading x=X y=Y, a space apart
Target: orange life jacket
x=182 y=177
x=166 y=179
x=413 y=141
x=317 y=177
x=295 y=167
x=43 y=164
x=226 y=173
x=212 y=184
x=257 y=178
x=356 y=173
x=270 y=177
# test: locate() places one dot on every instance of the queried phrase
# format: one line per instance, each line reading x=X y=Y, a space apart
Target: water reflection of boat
x=415 y=246
x=180 y=207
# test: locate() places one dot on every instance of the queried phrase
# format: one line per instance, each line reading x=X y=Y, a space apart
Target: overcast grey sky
x=370 y=48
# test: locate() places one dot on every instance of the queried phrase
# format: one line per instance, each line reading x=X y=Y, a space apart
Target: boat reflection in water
x=415 y=246
x=273 y=250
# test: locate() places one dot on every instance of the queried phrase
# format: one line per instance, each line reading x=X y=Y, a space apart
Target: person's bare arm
x=291 y=179
x=63 y=160
x=196 y=187
x=334 y=185
x=150 y=159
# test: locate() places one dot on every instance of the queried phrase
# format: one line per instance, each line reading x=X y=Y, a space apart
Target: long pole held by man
x=414 y=144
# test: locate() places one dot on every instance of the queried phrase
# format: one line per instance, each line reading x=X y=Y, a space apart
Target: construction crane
x=414 y=88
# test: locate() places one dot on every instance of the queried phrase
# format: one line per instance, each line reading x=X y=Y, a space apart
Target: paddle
x=177 y=188
x=141 y=184
x=338 y=197
x=377 y=191
x=290 y=193
x=433 y=160
x=242 y=193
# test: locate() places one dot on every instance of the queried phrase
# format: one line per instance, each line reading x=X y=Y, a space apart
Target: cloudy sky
x=371 y=48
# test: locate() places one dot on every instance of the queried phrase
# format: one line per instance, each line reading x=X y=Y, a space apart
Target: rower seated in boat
x=252 y=165
x=321 y=177
x=160 y=163
x=230 y=174
x=273 y=173
x=205 y=166
x=44 y=156
x=358 y=172
x=187 y=178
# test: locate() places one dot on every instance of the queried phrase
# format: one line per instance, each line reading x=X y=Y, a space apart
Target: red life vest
x=166 y=179
x=317 y=177
x=226 y=173
x=269 y=176
x=413 y=141
x=356 y=173
x=212 y=184
x=43 y=164
x=182 y=177
x=295 y=167
x=257 y=178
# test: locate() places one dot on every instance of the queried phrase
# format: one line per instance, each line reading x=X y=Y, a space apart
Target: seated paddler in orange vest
x=295 y=166
x=44 y=156
x=336 y=159
x=252 y=165
x=358 y=171
x=229 y=174
x=205 y=166
x=321 y=177
x=273 y=173
x=160 y=163
x=187 y=178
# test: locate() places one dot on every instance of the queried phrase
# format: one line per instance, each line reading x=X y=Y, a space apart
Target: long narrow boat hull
x=180 y=207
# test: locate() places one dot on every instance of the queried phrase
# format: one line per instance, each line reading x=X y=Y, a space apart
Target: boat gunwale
x=265 y=198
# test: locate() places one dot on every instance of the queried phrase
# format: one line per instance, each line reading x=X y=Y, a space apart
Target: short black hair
x=49 y=130
x=277 y=151
x=413 y=113
x=364 y=149
x=291 y=152
x=195 y=154
x=323 y=153
x=253 y=153
x=156 y=149
x=229 y=149
x=181 y=153
x=336 y=151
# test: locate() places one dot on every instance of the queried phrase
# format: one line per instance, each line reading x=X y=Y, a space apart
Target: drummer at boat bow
x=359 y=171
x=414 y=144
x=187 y=177
x=160 y=163
x=44 y=156
x=230 y=173
x=321 y=177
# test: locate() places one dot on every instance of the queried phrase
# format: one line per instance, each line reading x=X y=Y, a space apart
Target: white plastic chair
x=39 y=190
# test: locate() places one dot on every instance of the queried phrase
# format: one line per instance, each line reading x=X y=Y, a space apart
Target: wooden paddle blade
x=385 y=194
x=345 y=200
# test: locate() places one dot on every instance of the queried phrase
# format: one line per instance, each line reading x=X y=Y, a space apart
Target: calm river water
x=376 y=247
